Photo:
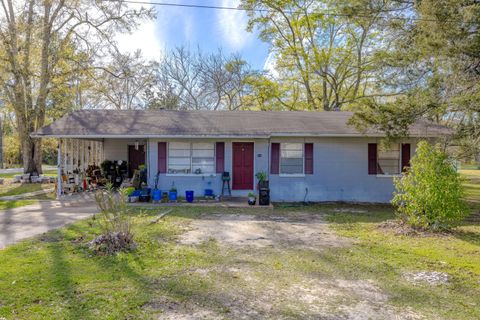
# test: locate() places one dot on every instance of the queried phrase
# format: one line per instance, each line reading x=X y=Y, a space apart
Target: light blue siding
x=340 y=172
x=198 y=183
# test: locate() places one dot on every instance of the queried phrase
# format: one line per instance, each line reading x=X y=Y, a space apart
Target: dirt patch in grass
x=398 y=227
x=254 y=282
x=301 y=230
x=241 y=292
x=171 y=309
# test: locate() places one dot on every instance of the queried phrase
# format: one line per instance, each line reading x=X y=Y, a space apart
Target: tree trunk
x=32 y=155
x=325 y=100
x=31 y=149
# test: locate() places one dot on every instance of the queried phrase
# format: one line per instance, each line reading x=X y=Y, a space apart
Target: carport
x=74 y=158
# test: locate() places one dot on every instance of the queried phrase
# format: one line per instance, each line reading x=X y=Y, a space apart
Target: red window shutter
x=405 y=156
x=372 y=158
x=162 y=157
x=275 y=159
x=220 y=157
x=308 y=158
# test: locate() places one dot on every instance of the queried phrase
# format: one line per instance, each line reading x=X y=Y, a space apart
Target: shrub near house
x=430 y=194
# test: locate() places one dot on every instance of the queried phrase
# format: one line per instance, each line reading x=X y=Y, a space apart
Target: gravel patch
x=429 y=277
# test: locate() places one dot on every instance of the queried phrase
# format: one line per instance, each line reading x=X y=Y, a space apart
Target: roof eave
x=273 y=135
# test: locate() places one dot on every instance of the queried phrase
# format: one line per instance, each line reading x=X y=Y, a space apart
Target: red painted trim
x=406 y=156
x=308 y=158
x=220 y=157
x=275 y=159
x=162 y=157
x=372 y=158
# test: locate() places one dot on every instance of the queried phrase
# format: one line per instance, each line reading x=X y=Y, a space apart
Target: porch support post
x=70 y=155
x=102 y=152
x=77 y=154
x=95 y=152
x=92 y=146
x=87 y=158
x=98 y=153
x=64 y=156
x=59 y=169
x=74 y=154
x=82 y=155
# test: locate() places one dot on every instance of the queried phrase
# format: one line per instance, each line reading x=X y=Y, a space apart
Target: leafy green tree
x=324 y=51
x=39 y=42
x=430 y=194
x=267 y=94
x=433 y=63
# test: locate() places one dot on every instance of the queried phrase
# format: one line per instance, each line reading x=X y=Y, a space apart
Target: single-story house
x=308 y=156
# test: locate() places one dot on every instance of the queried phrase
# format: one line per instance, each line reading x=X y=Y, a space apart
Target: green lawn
x=469 y=166
x=472 y=187
x=17 y=188
x=385 y=255
x=8 y=175
x=15 y=204
x=13 y=189
x=56 y=277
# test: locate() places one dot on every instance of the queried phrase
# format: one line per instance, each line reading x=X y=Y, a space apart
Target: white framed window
x=291 y=158
x=388 y=160
x=179 y=157
x=191 y=158
x=203 y=157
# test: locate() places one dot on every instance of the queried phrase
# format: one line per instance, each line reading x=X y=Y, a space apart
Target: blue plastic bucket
x=172 y=195
x=136 y=193
x=208 y=193
x=189 y=195
x=156 y=195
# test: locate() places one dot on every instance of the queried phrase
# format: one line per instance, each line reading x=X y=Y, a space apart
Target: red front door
x=242 y=165
x=136 y=158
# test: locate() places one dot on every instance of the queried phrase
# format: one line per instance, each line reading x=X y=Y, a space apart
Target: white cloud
x=232 y=25
x=144 y=38
x=270 y=64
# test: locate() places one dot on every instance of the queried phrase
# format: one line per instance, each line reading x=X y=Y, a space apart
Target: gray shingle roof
x=167 y=123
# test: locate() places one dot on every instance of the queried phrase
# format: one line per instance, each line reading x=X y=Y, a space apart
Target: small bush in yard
x=430 y=194
x=114 y=222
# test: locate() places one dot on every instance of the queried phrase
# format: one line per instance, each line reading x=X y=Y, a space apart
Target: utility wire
x=325 y=12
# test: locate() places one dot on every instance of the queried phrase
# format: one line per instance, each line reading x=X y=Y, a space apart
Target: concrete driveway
x=28 y=221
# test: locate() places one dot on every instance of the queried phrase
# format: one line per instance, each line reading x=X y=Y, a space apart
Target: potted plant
x=172 y=194
x=262 y=179
x=252 y=198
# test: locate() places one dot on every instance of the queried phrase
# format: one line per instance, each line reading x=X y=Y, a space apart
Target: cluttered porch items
x=94 y=177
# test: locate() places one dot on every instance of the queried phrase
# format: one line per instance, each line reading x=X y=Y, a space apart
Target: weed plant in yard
x=114 y=221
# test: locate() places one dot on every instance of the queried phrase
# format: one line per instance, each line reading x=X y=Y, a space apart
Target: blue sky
x=206 y=28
